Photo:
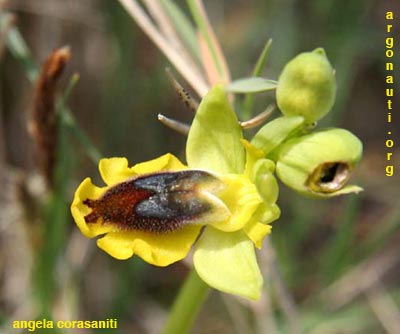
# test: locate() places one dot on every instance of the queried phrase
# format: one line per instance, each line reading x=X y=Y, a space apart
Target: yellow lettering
x=389 y=27
x=389 y=143
x=389 y=104
x=389 y=66
x=389 y=42
x=389 y=117
x=389 y=170
x=389 y=15
x=389 y=91
x=389 y=156
x=389 y=53
x=389 y=79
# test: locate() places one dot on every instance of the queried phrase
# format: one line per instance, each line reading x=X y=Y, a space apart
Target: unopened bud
x=307 y=86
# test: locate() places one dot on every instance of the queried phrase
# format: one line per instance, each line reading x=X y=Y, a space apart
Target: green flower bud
x=319 y=164
x=307 y=86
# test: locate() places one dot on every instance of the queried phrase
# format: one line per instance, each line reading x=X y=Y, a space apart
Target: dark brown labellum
x=159 y=202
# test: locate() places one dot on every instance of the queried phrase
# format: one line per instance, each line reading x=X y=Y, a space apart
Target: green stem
x=187 y=305
x=248 y=102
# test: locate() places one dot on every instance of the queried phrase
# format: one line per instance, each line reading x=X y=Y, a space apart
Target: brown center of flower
x=159 y=202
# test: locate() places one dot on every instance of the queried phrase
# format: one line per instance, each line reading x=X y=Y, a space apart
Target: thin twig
x=194 y=79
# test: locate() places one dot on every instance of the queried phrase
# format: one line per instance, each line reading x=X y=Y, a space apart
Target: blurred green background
x=339 y=258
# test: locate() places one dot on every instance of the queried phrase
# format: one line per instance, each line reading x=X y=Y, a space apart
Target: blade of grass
x=19 y=49
x=68 y=120
x=337 y=254
x=199 y=15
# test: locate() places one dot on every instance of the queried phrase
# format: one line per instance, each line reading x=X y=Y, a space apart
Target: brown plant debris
x=43 y=120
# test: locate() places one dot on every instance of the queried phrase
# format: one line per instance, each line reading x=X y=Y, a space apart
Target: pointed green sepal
x=227 y=262
x=275 y=132
x=214 y=138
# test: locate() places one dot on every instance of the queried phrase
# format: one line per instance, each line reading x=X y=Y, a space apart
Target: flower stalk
x=187 y=304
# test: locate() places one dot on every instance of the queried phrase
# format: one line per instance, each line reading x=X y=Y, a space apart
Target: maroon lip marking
x=159 y=202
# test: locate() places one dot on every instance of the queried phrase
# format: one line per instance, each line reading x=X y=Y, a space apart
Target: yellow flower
x=157 y=209
x=163 y=245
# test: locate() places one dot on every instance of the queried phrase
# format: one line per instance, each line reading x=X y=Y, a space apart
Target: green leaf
x=251 y=85
x=214 y=138
x=227 y=262
x=275 y=132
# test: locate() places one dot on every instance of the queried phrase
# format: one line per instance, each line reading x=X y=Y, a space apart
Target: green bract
x=319 y=164
x=307 y=86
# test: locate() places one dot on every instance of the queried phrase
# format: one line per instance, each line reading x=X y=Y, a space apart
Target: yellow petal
x=165 y=162
x=253 y=154
x=242 y=199
x=157 y=249
x=79 y=210
x=257 y=232
x=258 y=226
x=115 y=170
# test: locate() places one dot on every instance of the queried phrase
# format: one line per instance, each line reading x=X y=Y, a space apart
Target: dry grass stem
x=166 y=28
x=269 y=260
x=384 y=308
x=361 y=278
x=187 y=71
x=235 y=310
